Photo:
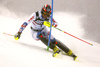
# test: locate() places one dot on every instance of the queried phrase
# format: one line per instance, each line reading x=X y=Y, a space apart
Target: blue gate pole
x=50 y=25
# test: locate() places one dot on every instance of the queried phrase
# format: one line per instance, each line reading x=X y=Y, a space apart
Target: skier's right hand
x=17 y=36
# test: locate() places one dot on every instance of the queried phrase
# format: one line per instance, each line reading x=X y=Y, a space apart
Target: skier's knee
x=55 y=41
x=40 y=36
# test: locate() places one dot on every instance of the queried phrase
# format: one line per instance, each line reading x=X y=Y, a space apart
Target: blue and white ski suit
x=37 y=26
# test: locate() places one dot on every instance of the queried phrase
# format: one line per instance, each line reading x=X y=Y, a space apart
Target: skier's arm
x=18 y=34
x=23 y=26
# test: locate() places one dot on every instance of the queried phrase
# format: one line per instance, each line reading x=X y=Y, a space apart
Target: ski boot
x=56 y=51
x=70 y=53
x=75 y=57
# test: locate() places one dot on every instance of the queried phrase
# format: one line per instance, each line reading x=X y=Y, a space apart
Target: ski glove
x=46 y=23
x=17 y=36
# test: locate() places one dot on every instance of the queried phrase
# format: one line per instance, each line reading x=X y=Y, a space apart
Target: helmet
x=46 y=9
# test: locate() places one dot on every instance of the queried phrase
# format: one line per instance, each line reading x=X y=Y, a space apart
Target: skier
x=40 y=32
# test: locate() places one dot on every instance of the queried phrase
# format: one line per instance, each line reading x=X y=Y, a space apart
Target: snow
x=26 y=52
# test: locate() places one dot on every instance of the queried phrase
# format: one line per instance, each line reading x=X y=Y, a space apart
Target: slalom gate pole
x=8 y=34
x=73 y=36
x=50 y=26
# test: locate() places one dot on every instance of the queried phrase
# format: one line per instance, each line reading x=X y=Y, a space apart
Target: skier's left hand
x=46 y=23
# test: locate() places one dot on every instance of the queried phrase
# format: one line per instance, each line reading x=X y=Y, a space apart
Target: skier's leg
x=65 y=48
x=61 y=46
x=45 y=41
x=51 y=45
x=43 y=36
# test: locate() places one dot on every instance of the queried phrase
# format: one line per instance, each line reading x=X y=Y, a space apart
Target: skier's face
x=45 y=15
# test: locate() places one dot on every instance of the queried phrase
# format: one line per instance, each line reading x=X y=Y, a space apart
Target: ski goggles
x=48 y=14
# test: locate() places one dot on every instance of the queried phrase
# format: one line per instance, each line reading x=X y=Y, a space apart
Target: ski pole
x=73 y=36
x=8 y=34
x=48 y=24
